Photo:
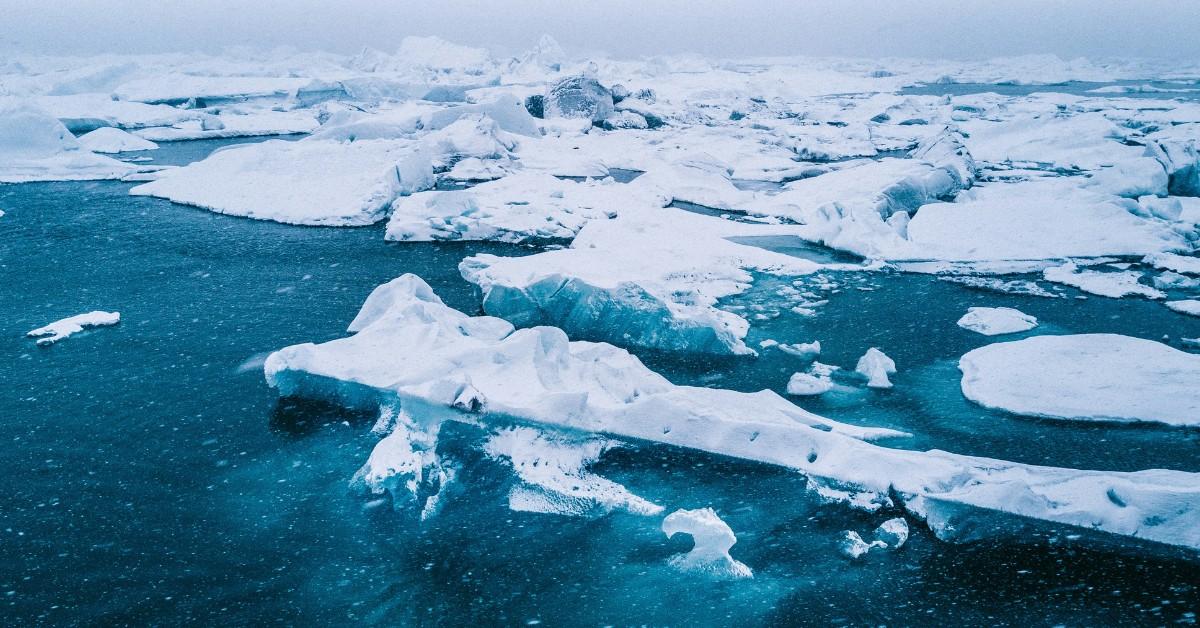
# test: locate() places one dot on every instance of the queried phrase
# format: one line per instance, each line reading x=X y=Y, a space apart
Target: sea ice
x=713 y=539
x=67 y=327
x=876 y=366
x=1114 y=285
x=34 y=146
x=993 y=321
x=1091 y=377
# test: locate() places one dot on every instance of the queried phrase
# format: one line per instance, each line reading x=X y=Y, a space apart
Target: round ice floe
x=1099 y=377
x=993 y=321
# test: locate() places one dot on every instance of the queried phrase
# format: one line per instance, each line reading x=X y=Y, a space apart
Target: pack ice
x=410 y=351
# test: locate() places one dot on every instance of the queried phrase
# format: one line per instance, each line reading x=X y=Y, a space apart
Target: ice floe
x=34 y=146
x=993 y=321
x=1089 y=377
x=110 y=140
x=67 y=327
x=1105 y=284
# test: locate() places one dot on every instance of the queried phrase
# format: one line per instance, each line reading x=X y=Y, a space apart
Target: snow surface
x=67 y=327
x=439 y=364
x=1106 y=284
x=994 y=321
x=1089 y=377
x=1186 y=306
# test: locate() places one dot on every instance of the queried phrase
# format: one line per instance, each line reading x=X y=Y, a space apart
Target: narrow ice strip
x=1186 y=306
x=1106 y=284
x=994 y=321
x=1086 y=377
x=439 y=364
x=67 y=327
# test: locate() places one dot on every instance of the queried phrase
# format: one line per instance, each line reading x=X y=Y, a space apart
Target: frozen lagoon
x=171 y=485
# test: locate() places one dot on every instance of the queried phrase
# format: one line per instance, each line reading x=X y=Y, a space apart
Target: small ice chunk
x=852 y=546
x=712 y=537
x=1187 y=306
x=112 y=140
x=67 y=327
x=893 y=532
x=993 y=321
x=808 y=384
x=578 y=97
x=876 y=366
x=802 y=349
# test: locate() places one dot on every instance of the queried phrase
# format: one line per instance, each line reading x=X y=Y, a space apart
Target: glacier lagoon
x=170 y=484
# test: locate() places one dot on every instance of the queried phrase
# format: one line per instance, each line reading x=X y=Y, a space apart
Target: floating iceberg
x=994 y=321
x=1090 y=377
x=67 y=327
x=876 y=366
x=438 y=364
x=713 y=539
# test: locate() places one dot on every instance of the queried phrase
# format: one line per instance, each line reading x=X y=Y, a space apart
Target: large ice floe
x=426 y=364
x=1088 y=377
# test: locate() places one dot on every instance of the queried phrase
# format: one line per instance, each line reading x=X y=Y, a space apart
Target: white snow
x=876 y=366
x=438 y=364
x=993 y=321
x=67 y=327
x=1091 y=377
x=713 y=539
x=110 y=140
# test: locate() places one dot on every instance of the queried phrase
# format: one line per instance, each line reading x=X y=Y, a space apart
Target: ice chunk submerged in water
x=438 y=364
x=1089 y=377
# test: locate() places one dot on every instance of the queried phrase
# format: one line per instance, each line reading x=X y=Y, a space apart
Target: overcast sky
x=959 y=29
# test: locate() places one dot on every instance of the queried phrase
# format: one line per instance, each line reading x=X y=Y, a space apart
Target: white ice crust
x=67 y=327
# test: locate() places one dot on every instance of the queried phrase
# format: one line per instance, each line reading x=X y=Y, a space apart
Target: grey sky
x=931 y=28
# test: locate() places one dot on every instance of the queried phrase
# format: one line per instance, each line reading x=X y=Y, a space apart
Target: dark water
x=1183 y=90
x=150 y=476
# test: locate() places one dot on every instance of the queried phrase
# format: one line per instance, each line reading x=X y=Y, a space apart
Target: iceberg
x=67 y=327
x=34 y=146
x=713 y=539
x=438 y=365
x=1088 y=377
x=994 y=321
x=876 y=366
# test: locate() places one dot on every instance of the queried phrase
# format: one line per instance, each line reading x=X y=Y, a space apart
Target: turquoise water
x=150 y=476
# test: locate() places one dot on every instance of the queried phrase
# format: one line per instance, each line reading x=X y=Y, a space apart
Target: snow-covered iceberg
x=438 y=364
x=34 y=146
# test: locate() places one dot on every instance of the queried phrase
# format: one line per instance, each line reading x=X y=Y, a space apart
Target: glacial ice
x=439 y=364
x=876 y=366
x=713 y=539
x=1091 y=377
x=891 y=534
x=994 y=321
x=67 y=327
